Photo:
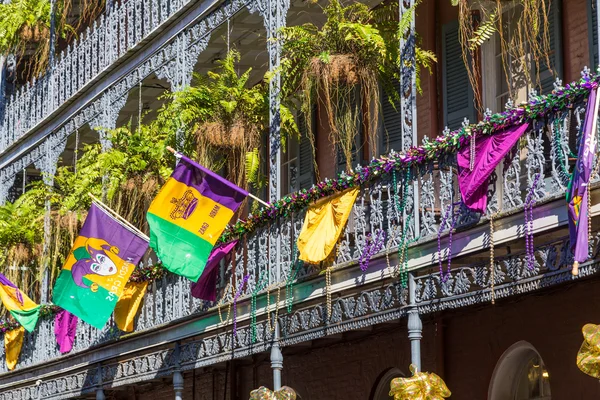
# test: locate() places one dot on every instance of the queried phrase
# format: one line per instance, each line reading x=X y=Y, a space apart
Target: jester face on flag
x=98 y=267
x=189 y=215
x=20 y=306
x=577 y=192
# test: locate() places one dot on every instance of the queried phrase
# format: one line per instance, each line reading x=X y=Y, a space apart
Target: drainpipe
x=415 y=326
x=276 y=359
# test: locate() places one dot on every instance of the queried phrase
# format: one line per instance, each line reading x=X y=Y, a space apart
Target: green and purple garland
x=537 y=107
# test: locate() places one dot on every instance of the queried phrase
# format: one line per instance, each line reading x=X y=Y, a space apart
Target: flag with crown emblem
x=188 y=216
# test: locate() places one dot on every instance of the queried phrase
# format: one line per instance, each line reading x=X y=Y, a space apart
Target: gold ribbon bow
x=588 y=358
x=421 y=386
x=262 y=393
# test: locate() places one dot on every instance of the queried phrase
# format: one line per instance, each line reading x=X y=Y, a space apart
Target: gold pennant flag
x=128 y=305
x=323 y=224
x=13 y=341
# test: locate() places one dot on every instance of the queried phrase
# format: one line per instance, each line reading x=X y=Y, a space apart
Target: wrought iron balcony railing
x=543 y=151
x=125 y=25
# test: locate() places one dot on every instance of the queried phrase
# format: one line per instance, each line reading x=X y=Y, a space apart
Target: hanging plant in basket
x=226 y=120
x=341 y=65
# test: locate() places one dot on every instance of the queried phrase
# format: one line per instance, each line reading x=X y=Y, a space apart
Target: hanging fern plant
x=226 y=120
x=25 y=29
x=355 y=51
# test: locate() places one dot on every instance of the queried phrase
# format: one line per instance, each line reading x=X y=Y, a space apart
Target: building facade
x=500 y=328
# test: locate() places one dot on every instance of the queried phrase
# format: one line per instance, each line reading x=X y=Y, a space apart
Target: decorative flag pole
x=178 y=155
x=117 y=216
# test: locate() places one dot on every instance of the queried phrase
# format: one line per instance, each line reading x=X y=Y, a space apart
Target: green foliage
x=483 y=32
x=224 y=119
x=357 y=49
x=252 y=166
x=18 y=18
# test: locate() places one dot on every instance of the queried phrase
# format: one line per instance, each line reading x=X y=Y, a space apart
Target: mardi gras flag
x=323 y=225
x=21 y=307
x=188 y=216
x=577 y=192
x=98 y=267
x=13 y=342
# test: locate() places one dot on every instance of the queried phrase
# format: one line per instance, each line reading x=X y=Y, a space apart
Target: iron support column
x=415 y=326
x=276 y=359
x=178 y=385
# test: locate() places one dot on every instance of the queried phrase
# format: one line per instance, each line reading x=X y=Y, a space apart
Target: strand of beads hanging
x=373 y=245
x=538 y=107
x=492 y=260
x=263 y=279
x=403 y=245
x=235 y=299
x=220 y=304
x=276 y=316
x=529 y=202
x=444 y=275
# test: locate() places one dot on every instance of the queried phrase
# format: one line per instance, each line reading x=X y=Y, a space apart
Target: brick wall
x=576 y=52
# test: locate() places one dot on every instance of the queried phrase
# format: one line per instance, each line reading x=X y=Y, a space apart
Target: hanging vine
x=524 y=39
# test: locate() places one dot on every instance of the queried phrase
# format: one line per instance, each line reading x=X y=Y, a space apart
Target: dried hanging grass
x=335 y=83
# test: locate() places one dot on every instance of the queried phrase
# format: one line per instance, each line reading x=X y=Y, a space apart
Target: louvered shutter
x=457 y=90
x=305 y=153
x=547 y=75
x=593 y=33
x=391 y=137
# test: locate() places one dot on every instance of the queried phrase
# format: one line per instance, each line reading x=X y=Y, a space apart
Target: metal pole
x=178 y=385
x=415 y=326
x=100 y=395
x=276 y=360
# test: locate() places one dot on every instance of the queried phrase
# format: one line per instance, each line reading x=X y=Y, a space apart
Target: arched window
x=520 y=375
x=382 y=389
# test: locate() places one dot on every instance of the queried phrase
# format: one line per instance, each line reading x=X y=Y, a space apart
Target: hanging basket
x=216 y=134
x=341 y=69
x=34 y=33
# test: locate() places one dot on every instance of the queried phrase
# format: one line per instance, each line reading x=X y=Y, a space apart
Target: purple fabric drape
x=206 y=287
x=577 y=196
x=489 y=151
x=65 y=327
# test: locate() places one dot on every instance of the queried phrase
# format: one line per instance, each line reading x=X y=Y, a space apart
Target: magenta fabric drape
x=489 y=151
x=65 y=327
x=206 y=287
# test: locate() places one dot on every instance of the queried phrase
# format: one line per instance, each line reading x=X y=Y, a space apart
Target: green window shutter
x=547 y=75
x=457 y=90
x=391 y=136
x=593 y=33
x=306 y=176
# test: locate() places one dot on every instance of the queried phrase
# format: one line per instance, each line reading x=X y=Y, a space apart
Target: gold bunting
x=421 y=386
x=588 y=357
x=128 y=304
x=262 y=393
x=13 y=341
x=323 y=224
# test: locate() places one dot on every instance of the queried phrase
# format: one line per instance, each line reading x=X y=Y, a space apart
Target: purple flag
x=65 y=327
x=489 y=151
x=577 y=192
x=206 y=287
